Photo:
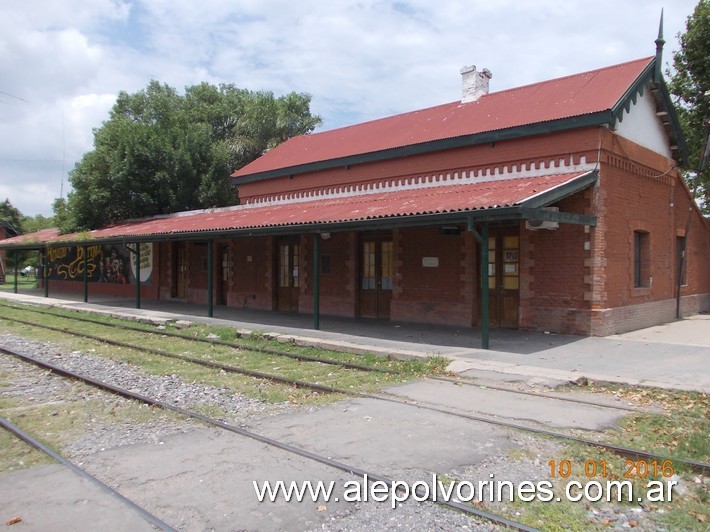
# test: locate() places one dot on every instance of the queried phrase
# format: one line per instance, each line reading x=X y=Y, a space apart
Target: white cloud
x=360 y=59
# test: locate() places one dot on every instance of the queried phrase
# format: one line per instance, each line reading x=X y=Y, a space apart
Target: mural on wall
x=104 y=264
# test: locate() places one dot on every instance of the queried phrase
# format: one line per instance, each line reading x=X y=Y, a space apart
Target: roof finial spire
x=659 y=50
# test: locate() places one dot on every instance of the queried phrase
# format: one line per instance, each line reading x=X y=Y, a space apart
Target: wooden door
x=224 y=276
x=376 y=277
x=288 y=275
x=180 y=272
x=504 y=278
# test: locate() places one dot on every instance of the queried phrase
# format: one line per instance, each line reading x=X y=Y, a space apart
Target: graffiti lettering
x=76 y=267
x=104 y=264
x=57 y=253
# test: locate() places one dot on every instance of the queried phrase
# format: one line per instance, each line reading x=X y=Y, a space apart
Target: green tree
x=689 y=83
x=62 y=218
x=30 y=224
x=14 y=219
x=11 y=215
x=160 y=152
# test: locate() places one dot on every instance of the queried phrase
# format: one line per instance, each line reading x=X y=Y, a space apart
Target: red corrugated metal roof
x=43 y=235
x=571 y=96
x=369 y=206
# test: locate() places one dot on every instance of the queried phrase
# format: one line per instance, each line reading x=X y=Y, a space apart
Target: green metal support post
x=45 y=272
x=86 y=275
x=485 y=318
x=482 y=240
x=316 y=281
x=138 y=275
x=14 y=257
x=210 y=309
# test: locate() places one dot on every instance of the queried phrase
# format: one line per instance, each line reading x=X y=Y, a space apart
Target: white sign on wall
x=430 y=262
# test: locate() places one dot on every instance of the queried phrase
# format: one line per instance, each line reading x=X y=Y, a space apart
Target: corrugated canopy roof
x=336 y=212
x=579 y=95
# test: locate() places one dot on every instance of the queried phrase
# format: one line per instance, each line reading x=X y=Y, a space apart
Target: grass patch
x=555 y=516
x=23 y=283
x=679 y=425
x=680 y=429
x=17 y=455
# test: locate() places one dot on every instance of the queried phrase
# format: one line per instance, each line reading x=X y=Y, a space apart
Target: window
x=681 y=264
x=642 y=259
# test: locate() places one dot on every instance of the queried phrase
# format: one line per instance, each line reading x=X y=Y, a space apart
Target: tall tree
x=689 y=84
x=161 y=152
x=30 y=224
x=11 y=215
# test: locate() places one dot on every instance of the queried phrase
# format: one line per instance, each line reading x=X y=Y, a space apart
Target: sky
x=63 y=63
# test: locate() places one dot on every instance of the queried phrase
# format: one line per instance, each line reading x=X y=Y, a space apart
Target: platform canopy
x=432 y=203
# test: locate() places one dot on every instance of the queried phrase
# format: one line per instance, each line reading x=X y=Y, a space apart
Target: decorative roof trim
x=669 y=119
x=465 y=177
x=510 y=211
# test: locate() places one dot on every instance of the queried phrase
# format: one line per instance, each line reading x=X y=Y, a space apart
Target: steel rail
x=459 y=382
x=215 y=341
x=349 y=365
x=701 y=467
x=316 y=359
x=255 y=436
x=145 y=514
x=183 y=358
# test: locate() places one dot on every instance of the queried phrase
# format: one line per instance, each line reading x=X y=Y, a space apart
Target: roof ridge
x=570 y=76
x=485 y=96
x=504 y=114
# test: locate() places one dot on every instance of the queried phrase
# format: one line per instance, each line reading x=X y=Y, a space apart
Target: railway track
x=242 y=346
x=636 y=454
x=269 y=376
x=31 y=441
x=211 y=341
x=372 y=476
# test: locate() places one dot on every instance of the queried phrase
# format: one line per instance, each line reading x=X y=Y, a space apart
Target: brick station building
x=557 y=206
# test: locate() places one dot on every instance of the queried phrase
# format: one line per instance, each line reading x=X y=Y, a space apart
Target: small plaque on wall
x=430 y=262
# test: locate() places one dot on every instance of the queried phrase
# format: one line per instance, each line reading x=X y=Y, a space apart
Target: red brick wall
x=554 y=273
x=164 y=267
x=640 y=192
x=337 y=287
x=432 y=294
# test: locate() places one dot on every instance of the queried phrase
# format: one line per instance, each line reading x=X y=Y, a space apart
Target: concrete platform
x=674 y=356
x=51 y=497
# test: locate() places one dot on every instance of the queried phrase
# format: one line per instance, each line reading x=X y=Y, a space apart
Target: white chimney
x=474 y=84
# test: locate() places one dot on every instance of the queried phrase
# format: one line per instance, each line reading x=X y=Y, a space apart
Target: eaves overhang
x=665 y=109
x=529 y=208
x=527 y=130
